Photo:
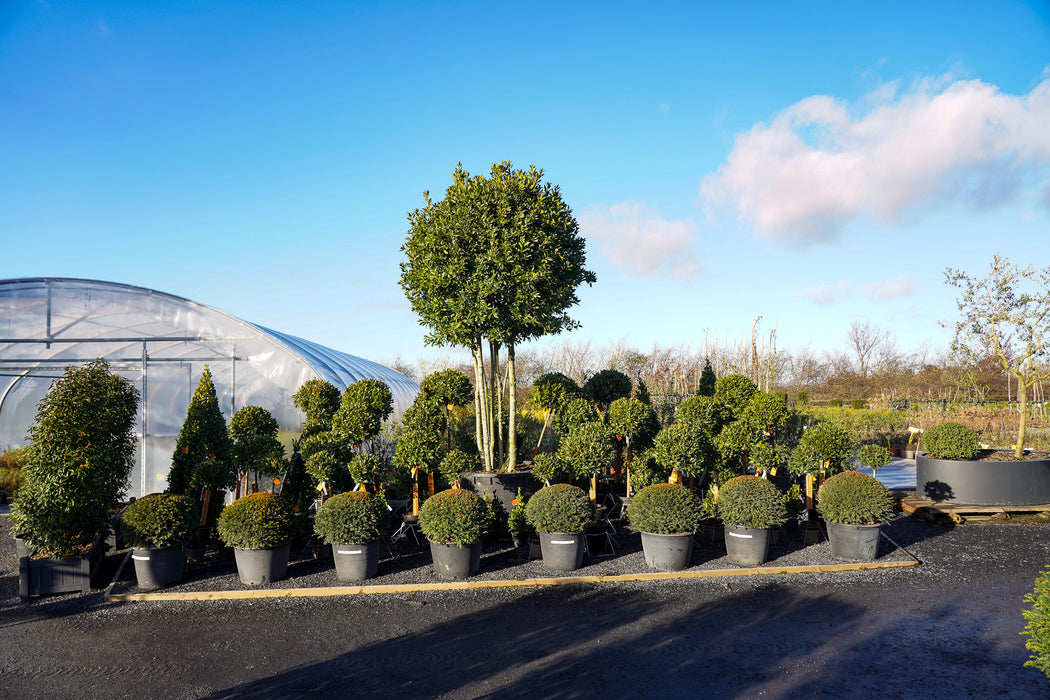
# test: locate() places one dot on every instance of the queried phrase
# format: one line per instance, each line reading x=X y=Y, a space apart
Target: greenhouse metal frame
x=161 y=343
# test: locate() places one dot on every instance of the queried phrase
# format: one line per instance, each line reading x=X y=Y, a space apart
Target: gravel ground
x=948 y=627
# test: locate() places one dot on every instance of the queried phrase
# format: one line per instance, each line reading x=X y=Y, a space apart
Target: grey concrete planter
x=1011 y=483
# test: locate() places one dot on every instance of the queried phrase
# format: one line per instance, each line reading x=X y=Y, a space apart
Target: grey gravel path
x=948 y=628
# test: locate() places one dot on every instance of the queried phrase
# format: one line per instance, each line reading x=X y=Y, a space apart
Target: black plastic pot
x=256 y=566
x=49 y=576
x=854 y=542
x=671 y=552
x=453 y=561
x=502 y=487
x=747 y=546
x=356 y=562
x=563 y=551
x=156 y=567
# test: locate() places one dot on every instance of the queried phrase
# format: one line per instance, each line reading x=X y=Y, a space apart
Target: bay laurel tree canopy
x=496 y=262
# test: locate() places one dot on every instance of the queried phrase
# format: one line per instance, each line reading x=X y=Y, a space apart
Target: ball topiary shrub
x=665 y=509
x=752 y=502
x=951 y=441
x=853 y=498
x=560 y=508
x=159 y=520
x=355 y=517
x=735 y=391
x=823 y=446
x=455 y=515
x=257 y=521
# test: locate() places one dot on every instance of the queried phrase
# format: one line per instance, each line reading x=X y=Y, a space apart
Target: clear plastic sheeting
x=162 y=343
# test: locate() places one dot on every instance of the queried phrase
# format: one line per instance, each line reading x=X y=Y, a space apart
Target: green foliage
x=706 y=385
x=735 y=390
x=766 y=414
x=853 y=498
x=547 y=467
x=802 y=399
x=705 y=411
x=951 y=441
x=420 y=443
x=835 y=403
x=874 y=456
x=793 y=501
x=634 y=420
x=255 y=445
x=646 y=469
x=159 y=520
x=202 y=456
x=857 y=404
x=1037 y=625
x=365 y=468
x=457 y=463
x=516 y=521
x=665 y=509
x=685 y=447
x=560 y=508
x=318 y=400
x=606 y=386
x=10 y=480
x=455 y=515
x=355 y=517
x=587 y=450
x=257 y=521
x=298 y=487
x=551 y=390
x=362 y=409
x=823 y=444
x=752 y=502
x=448 y=387
x=80 y=453
x=574 y=413
x=864 y=425
x=12 y=459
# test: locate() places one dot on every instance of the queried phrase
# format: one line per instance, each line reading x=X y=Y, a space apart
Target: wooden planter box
x=66 y=575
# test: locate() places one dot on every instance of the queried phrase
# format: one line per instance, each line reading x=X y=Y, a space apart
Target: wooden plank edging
x=326 y=591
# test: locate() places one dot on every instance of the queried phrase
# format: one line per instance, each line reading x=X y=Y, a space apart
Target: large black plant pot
x=502 y=487
x=1010 y=483
x=50 y=576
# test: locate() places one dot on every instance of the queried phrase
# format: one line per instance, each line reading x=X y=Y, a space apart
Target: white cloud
x=895 y=288
x=827 y=294
x=638 y=241
x=816 y=166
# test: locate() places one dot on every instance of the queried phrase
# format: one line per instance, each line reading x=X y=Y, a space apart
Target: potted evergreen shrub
x=667 y=516
x=518 y=524
x=354 y=523
x=80 y=452
x=156 y=527
x=455 y=521
x=560 y=513
x=259 y=527
x=854 y=506
x=749 y=506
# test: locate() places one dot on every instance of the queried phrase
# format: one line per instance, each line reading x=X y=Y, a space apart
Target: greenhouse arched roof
x=162 y=343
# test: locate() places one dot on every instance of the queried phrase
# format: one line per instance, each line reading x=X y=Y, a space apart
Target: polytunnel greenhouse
x=161 y=343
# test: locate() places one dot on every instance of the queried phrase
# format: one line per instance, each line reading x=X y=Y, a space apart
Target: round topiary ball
x=853 y=498
x=751 y=501
x=257 y=521
x=951 y=441
x=665 y=509
x=455 y=515
x=353 y=517
x=159 y=520
x=560 y=508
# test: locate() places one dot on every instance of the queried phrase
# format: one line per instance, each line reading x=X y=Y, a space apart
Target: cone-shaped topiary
x=159 y=520
x=951 y=441
x=752 y=502
x=560 y=508
x=356 y=517
x=257 y=521
x=853 y=498
x=455 y=515
x=665 y=509
x=203 y=440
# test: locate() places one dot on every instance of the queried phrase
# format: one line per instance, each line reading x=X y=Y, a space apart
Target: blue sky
x=810 y=163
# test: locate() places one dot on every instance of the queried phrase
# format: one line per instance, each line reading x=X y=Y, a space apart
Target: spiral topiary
x=455 y=515
x=355 y=517
x=665 y=509
x=752 y=502
x=853 y=498
x=560 y=508
x=951 y=441
x=257 y=521
x=159 y=520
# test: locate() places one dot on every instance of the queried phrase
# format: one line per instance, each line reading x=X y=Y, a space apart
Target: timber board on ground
x=962 y=513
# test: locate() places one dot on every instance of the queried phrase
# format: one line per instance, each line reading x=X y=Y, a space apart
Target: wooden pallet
x=962 y=513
